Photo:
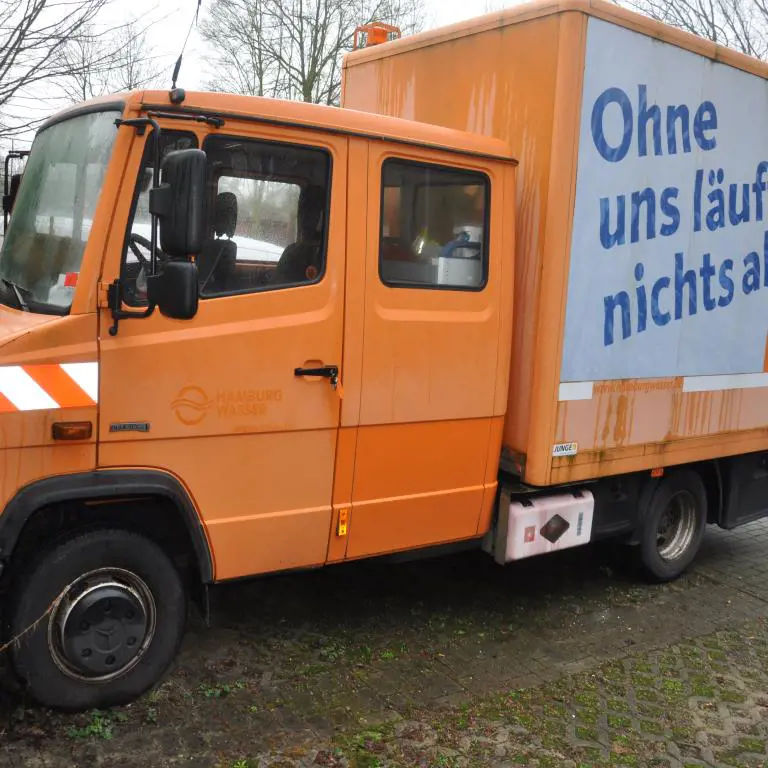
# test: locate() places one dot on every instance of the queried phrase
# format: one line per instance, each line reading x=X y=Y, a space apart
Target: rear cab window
x=434 y=225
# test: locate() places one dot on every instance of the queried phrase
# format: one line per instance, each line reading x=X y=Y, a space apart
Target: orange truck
x=241 y=336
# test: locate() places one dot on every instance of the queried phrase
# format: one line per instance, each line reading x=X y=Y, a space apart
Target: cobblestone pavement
x=558 y=661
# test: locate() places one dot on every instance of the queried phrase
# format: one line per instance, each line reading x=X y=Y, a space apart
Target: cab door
x=433 y=379
x=220 y=401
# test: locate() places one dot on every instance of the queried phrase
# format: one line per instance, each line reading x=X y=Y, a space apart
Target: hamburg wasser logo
x=191 y=405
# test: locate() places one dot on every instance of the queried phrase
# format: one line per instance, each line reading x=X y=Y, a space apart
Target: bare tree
x=137 y=65
x=237 y=30
x=83 y=58
x=738 y=24
x=110 y=61
x=33 y=35
x=293 y=49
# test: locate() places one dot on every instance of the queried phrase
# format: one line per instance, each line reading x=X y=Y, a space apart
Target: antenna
x=177 y=94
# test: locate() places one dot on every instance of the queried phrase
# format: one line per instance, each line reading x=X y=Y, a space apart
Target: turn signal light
x=72 y=430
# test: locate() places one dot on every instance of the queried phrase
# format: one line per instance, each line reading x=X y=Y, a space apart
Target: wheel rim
x=102 y=626
x=677 y=526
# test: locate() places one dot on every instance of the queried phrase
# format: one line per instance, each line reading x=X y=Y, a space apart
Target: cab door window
x=269 y=216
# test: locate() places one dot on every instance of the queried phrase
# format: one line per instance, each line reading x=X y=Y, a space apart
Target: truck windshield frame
x=54 y=211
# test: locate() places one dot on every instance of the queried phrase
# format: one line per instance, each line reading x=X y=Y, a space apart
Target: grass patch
x=614 y=721
x=218 y=691
x=101 y=726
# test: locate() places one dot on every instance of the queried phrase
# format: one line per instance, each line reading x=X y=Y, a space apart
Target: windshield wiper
x=17 y=292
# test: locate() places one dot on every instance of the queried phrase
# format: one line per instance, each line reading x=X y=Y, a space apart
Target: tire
x=114 y=633
x=669 y=545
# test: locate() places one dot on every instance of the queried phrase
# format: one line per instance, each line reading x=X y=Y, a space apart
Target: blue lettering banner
x=669 y=253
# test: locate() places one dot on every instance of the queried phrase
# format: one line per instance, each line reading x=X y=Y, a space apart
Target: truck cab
x=237 y=336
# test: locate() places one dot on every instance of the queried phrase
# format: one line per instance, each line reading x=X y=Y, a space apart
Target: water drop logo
x=191 y=405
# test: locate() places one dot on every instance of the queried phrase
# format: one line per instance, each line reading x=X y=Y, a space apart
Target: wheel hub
x=103 y=625
x=677 y=527
x=103 y=629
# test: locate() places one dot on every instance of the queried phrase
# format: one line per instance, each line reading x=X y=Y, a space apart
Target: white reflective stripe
x=86 y=376
x=725 y=381
x=23 y=391
x=576 y=390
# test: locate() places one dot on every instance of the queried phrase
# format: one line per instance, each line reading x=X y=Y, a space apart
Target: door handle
x=330 y=372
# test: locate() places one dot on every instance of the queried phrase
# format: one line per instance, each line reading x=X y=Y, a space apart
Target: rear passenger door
x=429 y=351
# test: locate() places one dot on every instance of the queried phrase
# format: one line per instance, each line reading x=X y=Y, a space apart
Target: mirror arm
x=184 y=167
x=115 y=290
x=115 y=301
x=6 y=195
x=141 y=123
x=12 y=155
x=155 y=184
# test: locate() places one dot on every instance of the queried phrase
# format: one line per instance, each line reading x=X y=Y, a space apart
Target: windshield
x=52 y=215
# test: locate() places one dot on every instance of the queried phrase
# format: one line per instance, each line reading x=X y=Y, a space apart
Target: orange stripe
x=6 y=406
x=59 y=386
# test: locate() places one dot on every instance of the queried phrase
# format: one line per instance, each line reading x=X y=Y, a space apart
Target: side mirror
x=179 y=202
x=175 y=289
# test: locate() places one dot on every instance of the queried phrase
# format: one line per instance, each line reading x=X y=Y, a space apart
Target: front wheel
x=116 y=619
x=673 y=527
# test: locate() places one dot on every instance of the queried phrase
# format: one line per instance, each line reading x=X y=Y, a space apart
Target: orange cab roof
x=540 y=8
x=312 y=116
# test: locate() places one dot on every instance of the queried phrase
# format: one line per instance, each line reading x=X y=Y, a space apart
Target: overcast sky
x=168 y=23
x=168 y=34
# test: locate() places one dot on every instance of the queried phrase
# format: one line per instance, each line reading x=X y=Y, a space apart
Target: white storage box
x=541 y=525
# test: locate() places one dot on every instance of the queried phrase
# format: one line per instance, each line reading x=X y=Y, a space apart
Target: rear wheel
x=674 y=526
x=116 y=619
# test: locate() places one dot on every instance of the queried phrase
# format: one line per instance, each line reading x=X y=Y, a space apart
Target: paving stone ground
x=565 y=660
